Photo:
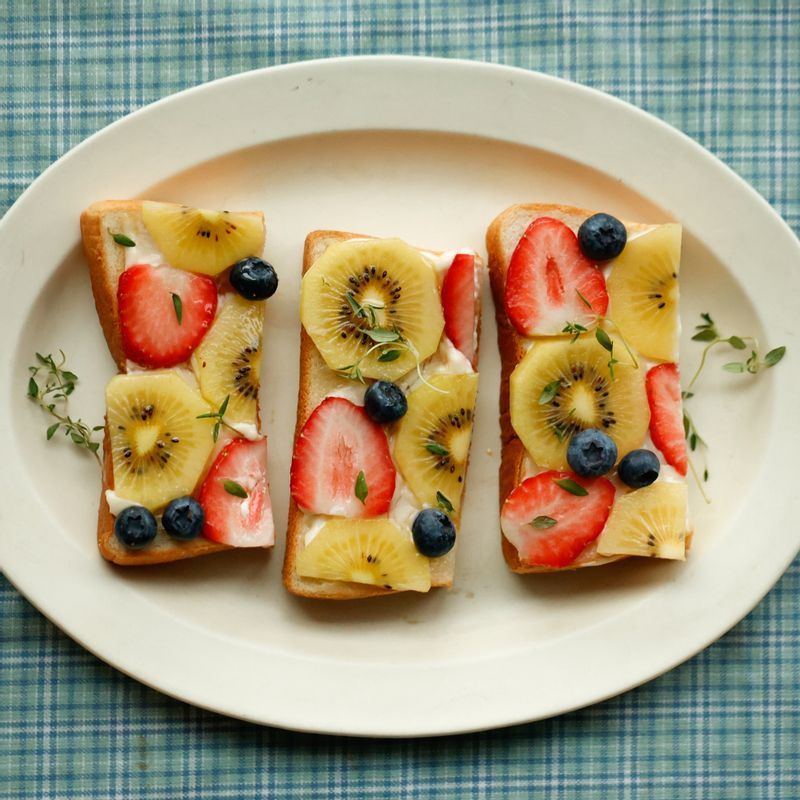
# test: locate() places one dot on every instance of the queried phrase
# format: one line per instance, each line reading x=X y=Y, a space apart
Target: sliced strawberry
x=459 y=301
x=663 y=385
x=545 y=276
x=529 y=511
x=240 y=521
x=338 y=442
x=152 y=334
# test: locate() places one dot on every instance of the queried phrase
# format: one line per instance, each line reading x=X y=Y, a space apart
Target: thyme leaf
x=444 y=503
x=236 y=489
x=361 y=489
x=568 y=485
x=122 y=239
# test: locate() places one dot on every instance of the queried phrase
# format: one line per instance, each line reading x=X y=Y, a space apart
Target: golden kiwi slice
x=432 y=441
x=371 y=551
x=563 y=387
x=643 y=292
x=373 y=303
x=201 y=240
x=158 y=446
x=228 y=360
x=647 y=522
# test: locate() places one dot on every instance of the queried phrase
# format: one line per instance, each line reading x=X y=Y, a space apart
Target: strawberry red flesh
x=551 y=526
x=338 y=442
x=152 y=334
x=547 y=276
x=232 y=519
x=459 y=301
x=663 y=384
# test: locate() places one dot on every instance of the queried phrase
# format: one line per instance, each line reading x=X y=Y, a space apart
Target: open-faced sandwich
x=387 y=394
x=594 y=458
x=179 y=292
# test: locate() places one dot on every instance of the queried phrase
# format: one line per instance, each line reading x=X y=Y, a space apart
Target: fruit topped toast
x=387 y=394
x=593 y=451
x=179 y=293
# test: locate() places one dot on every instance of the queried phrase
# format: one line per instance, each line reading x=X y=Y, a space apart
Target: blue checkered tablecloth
x=724 y=725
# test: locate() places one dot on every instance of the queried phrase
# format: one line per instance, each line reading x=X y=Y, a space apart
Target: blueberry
x=639 y=468
x=591 y=453
x=602 y=237
x=135 y=527
x=254 y=278
x=183 y=518
x=434 y=533
x=385 y=401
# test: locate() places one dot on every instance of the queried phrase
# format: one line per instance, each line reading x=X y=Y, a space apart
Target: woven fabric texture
x=724 y=725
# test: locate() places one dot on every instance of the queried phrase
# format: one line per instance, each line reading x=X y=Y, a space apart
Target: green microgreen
x=236 y=489
x=568 y=485
x=560 y=431
x=543 y=522
x=177 y=304
x=605 y=341
x=219 y=416
x=584 y=300
x=353 y=371
x=361 y=489
x=549 y=392
x=444 y=503
x=436 y=449
x=365 y=310
x=49 y=386
x=122 y=239
x=382 y=335
x=575 y=329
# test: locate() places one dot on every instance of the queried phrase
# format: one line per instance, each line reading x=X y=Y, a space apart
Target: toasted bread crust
x=501 y=239
x=106 y=261
x=316 y=379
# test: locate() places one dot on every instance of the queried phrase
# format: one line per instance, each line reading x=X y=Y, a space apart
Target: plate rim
x=360 y=67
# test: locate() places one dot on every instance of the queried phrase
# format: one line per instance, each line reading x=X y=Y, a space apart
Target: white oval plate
x=338 y=144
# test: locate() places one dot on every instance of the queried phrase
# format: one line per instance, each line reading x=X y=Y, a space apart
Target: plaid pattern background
x=724 y=725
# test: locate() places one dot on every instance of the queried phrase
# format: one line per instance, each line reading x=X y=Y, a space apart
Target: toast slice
x=502 y=238
x=107 y=260
x=318 y=381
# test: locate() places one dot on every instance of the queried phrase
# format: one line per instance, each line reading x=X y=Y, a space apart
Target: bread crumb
x=489 y=451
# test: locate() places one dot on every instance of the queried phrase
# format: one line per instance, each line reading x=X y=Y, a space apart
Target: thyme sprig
x=219 y=416
x=601 y=335
x=575 y=329
x=708 y=333
x=389 y=341
x=49 y=385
